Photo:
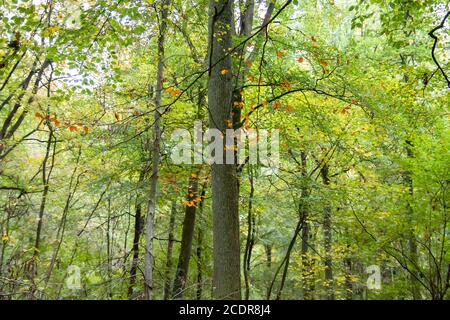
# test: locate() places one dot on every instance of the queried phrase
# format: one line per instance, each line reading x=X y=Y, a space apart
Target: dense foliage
x=92 y=203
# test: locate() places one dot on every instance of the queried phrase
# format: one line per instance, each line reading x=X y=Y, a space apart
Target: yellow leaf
x=5 y=238
x=118 y=116
x=52 y=29
x=224 y=72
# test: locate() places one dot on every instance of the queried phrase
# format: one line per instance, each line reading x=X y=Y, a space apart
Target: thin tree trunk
x=327 y=230
x=8 y=129
x=149 y=259
x=33 y=264
x=285 y=262
x=412 y=242
x=268 y=250
x=109 y=235
x=307 y=274
x=250 y=237
x=225 y=192
x=138 y=228
x=303 y=213
x=45 y=184
x=167 y=277
x=5 y=232
x=348 y=278
x=62 y=223
x=199 y=289
x=179 y=284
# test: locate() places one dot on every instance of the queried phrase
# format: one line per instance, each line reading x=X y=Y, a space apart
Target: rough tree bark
x=225 y=194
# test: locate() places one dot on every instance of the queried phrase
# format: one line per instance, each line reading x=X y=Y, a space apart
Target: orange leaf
x=280 y=54
x=224 y=72
x=169 y=90
x=86 y=130
x=39 y=116
x=301 y=59
x=287 y=85
x=288 y=109
x=174 y=92
x=324 y=63
x=197 y=200
x=346 y=110
x=177 y=92
x=73 y=128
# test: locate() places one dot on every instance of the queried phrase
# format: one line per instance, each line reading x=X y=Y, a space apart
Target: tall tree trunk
x=307 y=274
x=199 y=289
x=250 y=237
x=168 y=271
x=149 y=259
x=327 y=235
x=348 y=267
x=179 y=284
x=192 y=200
x=412 y=242
x=138 y=228
x=303 y=215
x=109 y=240
x=268 y=250
x=45 y=183
x=225 y=192
x=4 y=231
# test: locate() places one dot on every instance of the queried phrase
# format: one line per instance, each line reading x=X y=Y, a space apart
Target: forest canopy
x=220 y=149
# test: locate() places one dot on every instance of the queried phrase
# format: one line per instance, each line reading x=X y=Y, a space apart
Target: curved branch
x=433 y=50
